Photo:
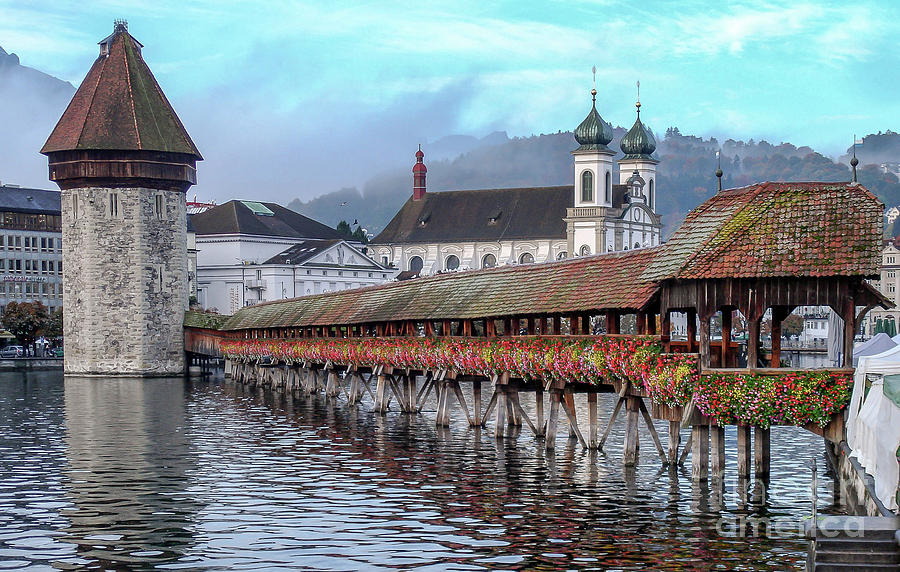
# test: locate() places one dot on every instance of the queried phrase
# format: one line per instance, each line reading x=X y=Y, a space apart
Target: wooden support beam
x=692 y=330
x=531 y=326
x=553 y=422
x=705 y=352
x=557 y=325
x=512 y=412
x=574 y=328
x=490 y=328
x=514 y=327
x=688 y=447
x=612 y=322
x=762 y=451
x=492 y=403
x=651 y=323
x=652 y=429
x=753 y=342
x=717 y=453
x=744 y=451
x=632 y=436
x=446 y=327
x=641 y=323
x=539 y=410
x=665 y=330
x=500 y=420
x=523 y=415
x=612 y=417
x=592 y=420
x=569 y=407
x=725 y=359
x=674 y=441
x=476 y=397
x=700 y=452
x=849 y=316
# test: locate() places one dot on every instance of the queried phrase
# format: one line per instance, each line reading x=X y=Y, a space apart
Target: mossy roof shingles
x=581 y=284
x=120 y=106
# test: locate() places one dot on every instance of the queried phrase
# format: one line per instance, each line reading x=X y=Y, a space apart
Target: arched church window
x=587 y=186
x=452 y=262
x=526 y=258
x=562 y=255
x=488 y=261
x=585 y=250
x=651 y=196
x=415 y=264
x=608 y=187
x=637 y=245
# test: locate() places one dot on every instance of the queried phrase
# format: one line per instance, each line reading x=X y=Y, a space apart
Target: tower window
x=160 y=206
x=651 y=196
x=526 y=258
x=608 y=187
x=74 y=205
x=587 y=187
x=452 y=262
x=585 y=250
x=488 y=261
x=113 y=204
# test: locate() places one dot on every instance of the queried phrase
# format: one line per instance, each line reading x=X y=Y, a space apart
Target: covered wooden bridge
x=558 y=328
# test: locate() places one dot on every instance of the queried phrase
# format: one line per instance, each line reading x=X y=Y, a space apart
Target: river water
x=200 y=475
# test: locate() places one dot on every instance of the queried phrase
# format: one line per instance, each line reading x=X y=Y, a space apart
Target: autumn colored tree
x=24 y=320
x=792 y=325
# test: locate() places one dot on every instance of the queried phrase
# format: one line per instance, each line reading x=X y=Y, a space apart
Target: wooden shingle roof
x=592 y=283
x=120 y=106
x=777 y=229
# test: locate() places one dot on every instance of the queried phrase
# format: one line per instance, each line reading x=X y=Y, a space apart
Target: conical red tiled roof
x=119 y=106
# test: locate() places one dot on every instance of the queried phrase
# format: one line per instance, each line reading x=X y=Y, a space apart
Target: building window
x=526 y=258
x=587 y=187
x=160 y=206
x=452 y=262
x=259 y=274
x=652 y=197
x=562 y=255
x=415 y=264
x=74 y=205
x=488 y=261
x=608 y=188
x=114 y=204
x=585 y=250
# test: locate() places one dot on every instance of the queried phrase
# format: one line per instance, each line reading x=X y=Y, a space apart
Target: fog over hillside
x=30 y=104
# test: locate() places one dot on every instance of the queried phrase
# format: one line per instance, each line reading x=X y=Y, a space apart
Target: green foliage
x=685 y=178
x=792 y=325
x=24 y=320
x=54 y=327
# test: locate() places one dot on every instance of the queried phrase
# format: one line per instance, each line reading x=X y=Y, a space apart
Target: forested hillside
x=686 y=173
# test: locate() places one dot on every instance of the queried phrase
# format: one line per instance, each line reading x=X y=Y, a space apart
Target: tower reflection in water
x=129 y=460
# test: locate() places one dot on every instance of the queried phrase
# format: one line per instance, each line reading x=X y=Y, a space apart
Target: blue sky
x=297 y=98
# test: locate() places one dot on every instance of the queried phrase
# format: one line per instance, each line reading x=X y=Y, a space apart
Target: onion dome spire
x=419 y=173
x=593 y=134
x=639 y=142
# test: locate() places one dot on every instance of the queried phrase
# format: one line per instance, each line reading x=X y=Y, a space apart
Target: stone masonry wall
x=124 y=282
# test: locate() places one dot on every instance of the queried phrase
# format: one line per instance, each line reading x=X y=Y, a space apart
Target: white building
x=458 y=230
x=889 y=286
x=251 y=252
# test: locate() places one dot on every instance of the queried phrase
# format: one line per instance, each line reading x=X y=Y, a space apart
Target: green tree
x=24 y=320
x=54 y=327
x=792 y=325
x=344 y=229
x=359 y=235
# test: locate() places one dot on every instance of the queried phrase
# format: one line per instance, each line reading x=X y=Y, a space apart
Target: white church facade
x=459 y=230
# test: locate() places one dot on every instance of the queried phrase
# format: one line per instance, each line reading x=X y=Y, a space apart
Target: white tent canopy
x=879 y=343
x=873 y=424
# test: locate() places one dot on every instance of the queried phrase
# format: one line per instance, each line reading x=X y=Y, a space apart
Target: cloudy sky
x=290 y=99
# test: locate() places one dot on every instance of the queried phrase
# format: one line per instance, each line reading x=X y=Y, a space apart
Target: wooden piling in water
x=553 y=421
x=761 y=439
x=631 y=455
x=592 y=420
x=674 y=441
x=717 y=453
x=700 y=452
x=744 y=451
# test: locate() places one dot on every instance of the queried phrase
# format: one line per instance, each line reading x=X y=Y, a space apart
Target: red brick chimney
x=419 y=171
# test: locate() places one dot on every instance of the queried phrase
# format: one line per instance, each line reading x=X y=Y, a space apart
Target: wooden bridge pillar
x=539 y=411
x=761 y=439
x=632 y=437
x=592 y=420
x=700 y=452
x=674 y=442
x=717 y=446
x=553 y=421
x=381 y=390
x=744 y=451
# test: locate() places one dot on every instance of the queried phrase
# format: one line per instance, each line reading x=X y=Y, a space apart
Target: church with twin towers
x=610 y=207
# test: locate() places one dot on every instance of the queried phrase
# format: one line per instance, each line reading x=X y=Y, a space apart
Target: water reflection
x=168 y=474
x=129 y=458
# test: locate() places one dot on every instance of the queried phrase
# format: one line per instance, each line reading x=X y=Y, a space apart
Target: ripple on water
x=106 y=473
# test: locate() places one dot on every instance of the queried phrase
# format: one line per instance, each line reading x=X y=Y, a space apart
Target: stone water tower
x=123 y=161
